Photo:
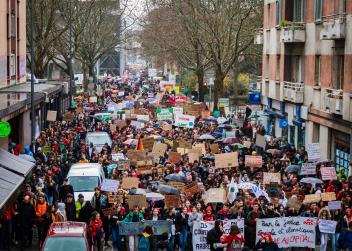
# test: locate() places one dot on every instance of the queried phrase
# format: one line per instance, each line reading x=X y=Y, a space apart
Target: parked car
x=64 y=236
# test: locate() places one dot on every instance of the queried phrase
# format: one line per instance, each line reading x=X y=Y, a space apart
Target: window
x=268 y=18
x=298 y=11
x=296 y=70
x=267 y=67
x=340 y=68
x=12 y=65
x=317 y=70
x=318 y=10
x=278 y=67
x=278 y=12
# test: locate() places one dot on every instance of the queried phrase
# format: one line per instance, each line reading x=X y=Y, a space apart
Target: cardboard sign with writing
x=148 y=143
x=144 y=170
x=179 y=185
x=225 y=160
x=159 y=149
x=308 y=169
x=253 y=161
x=68 y=117
x=129 y=182
x=136 y=155
x=334 y=205
x=192 y=157
x=215 y=195
x=115 y=198
x=247 y=144
x=182 y=151
x=214 y=148
x=109 y=185
x=172 y=201
x=144 y=163
x=174 y=157
x=294 y=203
x=260 y=141
x=328 y=173
x=200 y=148
x=191 y=189
x=137 y=200
x=310 y=198
x=185 y=144
x=51 y=115
x=314 y=152
x=271 y=178
x=330 y=196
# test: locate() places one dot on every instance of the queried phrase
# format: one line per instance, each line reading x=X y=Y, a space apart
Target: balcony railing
x=334 y=27
x=294 y=92
x=293 y=32
x=333 y=100
x=259 y=36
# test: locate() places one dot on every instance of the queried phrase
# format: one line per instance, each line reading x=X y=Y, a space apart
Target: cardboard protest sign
x=185 y=121
x=200 y=148
x=115 y=198
x=327 y=226
x=136 y=155
x=159 y=149
x=182 y=151
x=260 y=141
x=308 y=169
x=225 y=160
x=289 y=231
x=185 y=144
x=294 y=203
x=144 y=163
x=191 y=189
x=68 y=117
x=136 y=228
x=328 y=173
x=143 y=117
x=148 y=143
x=314 y=152
x=214 y=148
x=172 y=201
x=129 y=182
x=334 y=205
x=174 y=157
x=93 y=99
x=310 y=198
x=137 y=124
x=329 y=196
x=247 y=144
x=192 y=157
x=164 y=113
x=201 y=229
x=144 y=170
x=124 y=164
x=137 y=200
x=215 y=195
x=271 y=178
x=51 y=115
x=179 y=185
x=253 y=161
x=109 y=185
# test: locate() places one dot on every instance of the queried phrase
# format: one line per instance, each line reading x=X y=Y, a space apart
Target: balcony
x=293 y=32
x=294 y=92
x=333 y=100
x=334 y=27
x=259 y=37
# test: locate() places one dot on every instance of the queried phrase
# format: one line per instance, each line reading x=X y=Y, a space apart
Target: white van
x=98 y=139
x=84 y=177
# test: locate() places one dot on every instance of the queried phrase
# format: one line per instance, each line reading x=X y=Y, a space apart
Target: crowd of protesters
x=48 y=197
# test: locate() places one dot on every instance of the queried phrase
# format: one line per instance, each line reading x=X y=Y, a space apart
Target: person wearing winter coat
x=209 y=214
x=324 y=214
x=70 y=208
x=234 y=240
x=181 y=225
x=96 y=230
x=266 y=243
x=193 y=217
x=214 y=235
x=26 y=220
x=145 y=243
x=134 y=216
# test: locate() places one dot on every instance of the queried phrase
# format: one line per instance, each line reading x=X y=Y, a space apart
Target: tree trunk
x=200 y=79
x=218 y=86
x=85 y=80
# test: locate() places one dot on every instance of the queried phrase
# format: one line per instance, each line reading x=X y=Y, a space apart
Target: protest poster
x=329 y=196
x=247 y=144
x=143 y=117
x=253 y=161
x=137 y=124
x=174 y=157
x=93 y=99
x=191 y=189
x=260 y=141
x=109 y=185
x=115 y=157
x=289 y=231
x=310 y=198
x=144 y=163
x=164 y=114
x=200 y=148
x=192 y=157
x=294 y=202
x=178 y=185
x=327 y=226
x=308 y=169
x=107 y=211
x=68 y=117
x=124 y=164
x=159 y=149
x=167 y=127
x=181 y=99
x=129 y=182
x=185 y=144
x=51 y=115
x=186 y=121
x=182 y=151
x=314 y=153
x=172 y=201
x=334 y=205
x=201 y=229
x=328 y=173
x=148 y=143
x=135 y=155
x=215 y=195
x=136 y=228
x=144 y=170
x=115 y=198
x=137 y=200
x=214 y=148
x=271 y=178
x=177 y=110
x=224 y=160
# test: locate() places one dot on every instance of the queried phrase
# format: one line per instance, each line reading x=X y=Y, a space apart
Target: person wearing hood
x=27 y=150
x=324 y=214
x=341 y=174
x=266 y=243
x=234 y=240
x=214 y=235
x=209 y=214
x=146 y=242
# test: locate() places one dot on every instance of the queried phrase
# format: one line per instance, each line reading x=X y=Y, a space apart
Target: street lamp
x=70 y=55
x=33 y=117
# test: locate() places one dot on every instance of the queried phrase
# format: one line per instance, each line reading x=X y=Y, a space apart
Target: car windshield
x=65 y=243
x=98 y=139
x=84 y=183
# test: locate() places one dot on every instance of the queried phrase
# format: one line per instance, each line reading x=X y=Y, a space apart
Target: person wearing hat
x=84 y=209
x=70 y=208
x=64 y=190
x=41 y=220
x=266 y=243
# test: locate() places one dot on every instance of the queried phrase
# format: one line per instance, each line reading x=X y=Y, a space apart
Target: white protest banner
x=201 y=228
x=327 y=226
x=313 y=151
x=260 y=141
x=186 y=121
x=308 y=169
x=110 y=185
x=289 y=231
x=334 y=205
x=164 y=114
x=177 y=110
x=328 y=173
x=143 y=117
x=139 y=125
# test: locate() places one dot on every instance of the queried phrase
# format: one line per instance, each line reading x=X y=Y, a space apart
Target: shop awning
x=15 y=164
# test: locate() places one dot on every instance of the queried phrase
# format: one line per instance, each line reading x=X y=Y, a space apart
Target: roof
x=15 y=164
x=48 y=88
x=68 y=228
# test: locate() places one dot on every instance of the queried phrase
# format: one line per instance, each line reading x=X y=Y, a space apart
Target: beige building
x=306 y=80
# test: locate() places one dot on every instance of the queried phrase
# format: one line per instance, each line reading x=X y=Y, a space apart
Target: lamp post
x=70 y=55
x=33 y=117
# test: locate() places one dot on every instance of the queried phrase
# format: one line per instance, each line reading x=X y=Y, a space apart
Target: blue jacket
x=345 y=240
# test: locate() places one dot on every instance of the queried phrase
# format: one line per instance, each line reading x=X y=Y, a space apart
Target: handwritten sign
x=215 y=195
x=200 y=148
x=310 y=198
x=148 y=143
x=137 y=200
x=159 y=149
x=327 y=226
x=172 y=201
x=109 y=185
x=51 y=115
x=185 y=144
x=192 y=189
x=314 y=152
x=214 y=148
x=271 y=178
x=334 y=205
x=260 y=141
x=178 y=185
x=192 y=157
x=186 y=121
x=112 y=199
x=174 y=157
x=329 y=196
x=308 y=169
x=253 y=161
x=328 y=173
x=129 y=182
x=225 y=160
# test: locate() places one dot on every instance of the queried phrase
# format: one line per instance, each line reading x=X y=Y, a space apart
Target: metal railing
x=299 y=87
x=294 y=26
x=334 y=17
x=334 y=93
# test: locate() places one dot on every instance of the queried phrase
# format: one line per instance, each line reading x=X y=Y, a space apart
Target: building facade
x=306 y=81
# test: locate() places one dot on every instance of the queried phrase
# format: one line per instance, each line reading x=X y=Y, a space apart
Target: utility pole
x=70 y=55
x=33 y=117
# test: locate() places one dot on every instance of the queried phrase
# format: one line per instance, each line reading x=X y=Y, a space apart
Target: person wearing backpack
x=214 y=235
x=345 y=238
x=234 y=240
x=146 y=241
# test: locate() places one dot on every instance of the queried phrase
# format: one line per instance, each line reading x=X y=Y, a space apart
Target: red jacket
x=229 y=238
x=96 y=227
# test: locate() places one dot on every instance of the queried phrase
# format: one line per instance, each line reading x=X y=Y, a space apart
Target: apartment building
x=306 y=81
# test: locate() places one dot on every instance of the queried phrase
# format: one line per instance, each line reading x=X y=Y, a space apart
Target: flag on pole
x=233 y=190
x=140 y=145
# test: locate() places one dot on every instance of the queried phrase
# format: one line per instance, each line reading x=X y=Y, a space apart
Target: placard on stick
x=310 y=198
x=329 y=196
x=328 y=173
x=137 y=200
x=109 y=185
x=178 y=185
x=271 y=178
x=215 y=195
x=225 y=160
x=51 y=115
x=148 y=143
x=191 y=189
x=308 y=169
x=260 y=141
x=129 y=182
x=253 y=161
x=159 y=148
